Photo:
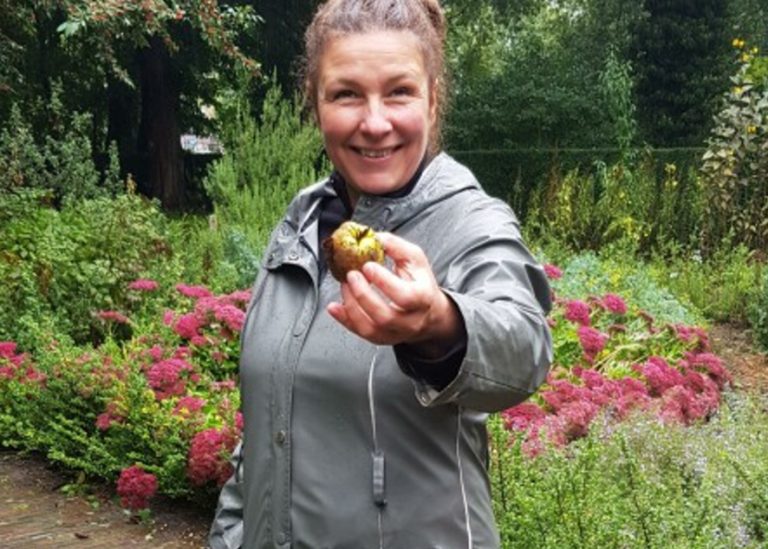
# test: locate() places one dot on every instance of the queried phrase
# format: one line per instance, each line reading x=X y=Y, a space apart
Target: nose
x=375 y=122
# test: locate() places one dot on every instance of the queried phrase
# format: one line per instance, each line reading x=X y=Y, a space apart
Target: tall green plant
x=735 y=166
x=617 y=85
x=267 y=161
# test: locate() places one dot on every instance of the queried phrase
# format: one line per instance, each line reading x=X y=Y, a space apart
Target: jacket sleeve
x=503 y=296
x=227 y=528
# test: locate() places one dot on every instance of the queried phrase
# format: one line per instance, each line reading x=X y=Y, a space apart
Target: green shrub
x=640 y=483
x=61 y=162
x=590 y=274
x=758 y=313
x=723 y=286
x=58 y=266
x=265 y=164
x=202 y=256
x=627 y=203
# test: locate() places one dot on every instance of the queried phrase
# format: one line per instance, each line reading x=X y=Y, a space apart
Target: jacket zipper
x=467 y=523
x=377 y=456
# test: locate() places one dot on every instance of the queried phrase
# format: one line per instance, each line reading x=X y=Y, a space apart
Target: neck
x=353 y=194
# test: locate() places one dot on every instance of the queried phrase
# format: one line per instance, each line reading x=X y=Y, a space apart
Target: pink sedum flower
x=169 y=317
x=188 y=326
x=136 y=487
x=143 y=285
x=104 y=421
x=208 y=459
x=188 y=405
x=614 y=304
x=112 y=316
x=240 y=297
x=166 y=377
x=156 y=353
x=231 y=316
x=710 y=364
x=7 y=349
x=592 y=341
x=576 y=417
x=195 y=292
x=660 y=375
x=523 y=416
x=553 y=272
x=577 y=311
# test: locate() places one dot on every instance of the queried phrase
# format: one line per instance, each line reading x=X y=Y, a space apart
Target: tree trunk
x=159 y=135
x=122 y=123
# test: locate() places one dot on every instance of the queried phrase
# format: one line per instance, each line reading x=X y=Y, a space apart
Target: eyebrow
x=345 y=81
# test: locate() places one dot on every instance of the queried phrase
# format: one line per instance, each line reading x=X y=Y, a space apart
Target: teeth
x=371 y=153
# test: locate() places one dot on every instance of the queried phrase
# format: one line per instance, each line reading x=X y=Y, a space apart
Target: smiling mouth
x=375 y=153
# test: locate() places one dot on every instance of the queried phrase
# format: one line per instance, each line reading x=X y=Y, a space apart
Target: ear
x=433 y=102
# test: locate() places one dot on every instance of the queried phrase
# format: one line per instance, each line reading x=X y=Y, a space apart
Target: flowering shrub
x=612 y=359
x=640 y=482
x=208 y=456
x=135 y=488
x=158 y=410
x=166 y=397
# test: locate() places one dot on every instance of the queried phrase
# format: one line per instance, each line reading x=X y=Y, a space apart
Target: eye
x=342 y=94
x=401 y=90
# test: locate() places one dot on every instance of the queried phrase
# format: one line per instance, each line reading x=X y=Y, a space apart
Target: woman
x=365 y=402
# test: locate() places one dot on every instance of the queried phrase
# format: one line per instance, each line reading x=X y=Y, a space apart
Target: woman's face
x=375 y=108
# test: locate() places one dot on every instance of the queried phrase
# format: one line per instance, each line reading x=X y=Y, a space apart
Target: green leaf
x=69 y=28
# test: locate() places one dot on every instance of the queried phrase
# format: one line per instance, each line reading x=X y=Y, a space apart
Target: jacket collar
x=441 y=178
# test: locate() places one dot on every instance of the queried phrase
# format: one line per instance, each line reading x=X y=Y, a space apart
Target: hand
x=404 y=306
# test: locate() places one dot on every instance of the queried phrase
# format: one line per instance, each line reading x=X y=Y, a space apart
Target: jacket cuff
x=436 y=372
x=494 y=376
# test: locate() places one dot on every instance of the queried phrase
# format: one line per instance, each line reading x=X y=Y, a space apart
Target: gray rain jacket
x=345 y=447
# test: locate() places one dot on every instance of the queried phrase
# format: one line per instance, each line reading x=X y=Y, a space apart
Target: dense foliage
x=268 y=161
x=639 y=483
x=119 y=324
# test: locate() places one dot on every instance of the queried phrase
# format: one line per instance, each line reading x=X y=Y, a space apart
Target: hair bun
x=435 y=14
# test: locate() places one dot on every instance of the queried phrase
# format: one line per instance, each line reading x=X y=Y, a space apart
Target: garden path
x=749 y=367
x=35 y=513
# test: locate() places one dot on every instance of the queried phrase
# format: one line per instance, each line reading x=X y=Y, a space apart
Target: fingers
x=385 y=307
x=401 y=251
x=404 y=294
x=356 y=317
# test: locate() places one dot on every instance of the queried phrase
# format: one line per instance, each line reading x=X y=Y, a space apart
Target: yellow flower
x=752 y=129
x=735 y=42
x=745 y=57
x=737 y=90
x=755 y=50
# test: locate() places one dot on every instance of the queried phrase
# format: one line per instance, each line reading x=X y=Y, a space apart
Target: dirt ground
x=34 y=512
x=748 y=366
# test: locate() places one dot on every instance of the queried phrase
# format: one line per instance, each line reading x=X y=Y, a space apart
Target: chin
x=377 y=185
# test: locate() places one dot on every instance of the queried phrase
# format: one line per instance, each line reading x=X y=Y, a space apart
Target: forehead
x=372 y=55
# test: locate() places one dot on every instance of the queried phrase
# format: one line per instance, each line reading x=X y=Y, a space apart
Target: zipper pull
x=379 y=494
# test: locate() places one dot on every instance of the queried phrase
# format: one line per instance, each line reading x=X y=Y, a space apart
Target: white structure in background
x=196 y=144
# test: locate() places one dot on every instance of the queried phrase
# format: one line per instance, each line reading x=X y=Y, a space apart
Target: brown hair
x=424 y=18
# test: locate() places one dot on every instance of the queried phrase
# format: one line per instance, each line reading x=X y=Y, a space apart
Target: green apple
x=350 y=247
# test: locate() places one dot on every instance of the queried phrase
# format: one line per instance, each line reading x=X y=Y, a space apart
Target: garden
x=123 y=293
